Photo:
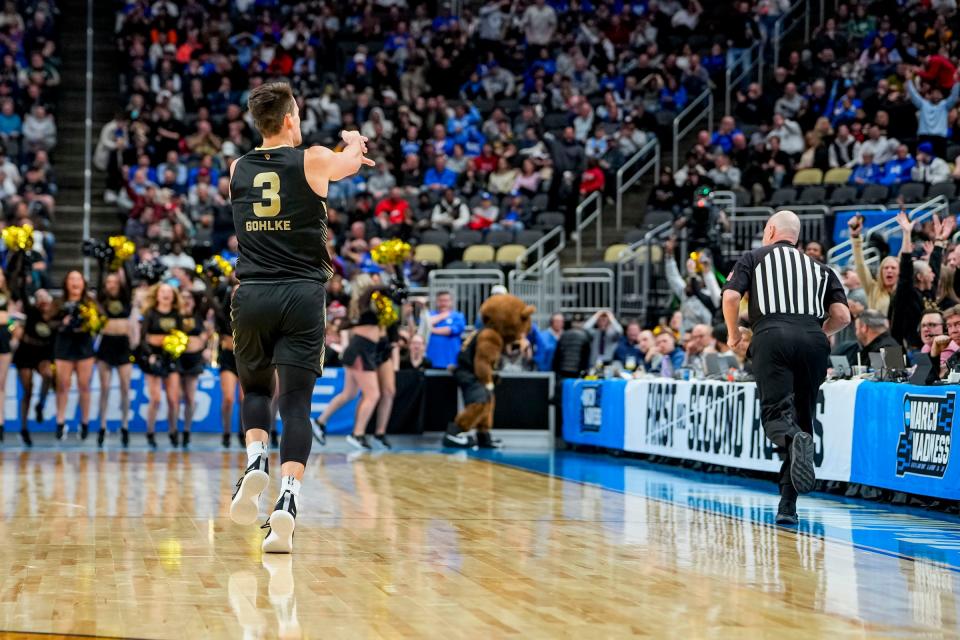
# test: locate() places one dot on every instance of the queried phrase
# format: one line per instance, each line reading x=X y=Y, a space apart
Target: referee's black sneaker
x=802 y=472
x=787 y=510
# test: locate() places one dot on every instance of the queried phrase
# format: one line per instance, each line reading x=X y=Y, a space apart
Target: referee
x=794 y=304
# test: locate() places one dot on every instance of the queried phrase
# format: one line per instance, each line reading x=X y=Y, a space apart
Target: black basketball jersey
x=281 y=222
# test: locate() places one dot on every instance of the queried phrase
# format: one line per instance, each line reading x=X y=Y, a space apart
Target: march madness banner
x=719 y=423
x=904 y=438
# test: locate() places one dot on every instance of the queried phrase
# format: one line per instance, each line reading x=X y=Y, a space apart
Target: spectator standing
x=879 y=290
x=605 y=333
x=917 y=285
x=932 y=113
x=699 y=295
x=446 y=326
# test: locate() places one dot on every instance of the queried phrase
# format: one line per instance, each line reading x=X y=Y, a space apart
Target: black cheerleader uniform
x=115 y=350
x=36 y=346
x=72 y=342
x=155 y=361
x=368 y=351
x=5 y=329
x=191 y=364
x=225 y=357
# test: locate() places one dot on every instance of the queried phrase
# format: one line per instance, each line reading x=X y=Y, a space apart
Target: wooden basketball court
x=426 y=545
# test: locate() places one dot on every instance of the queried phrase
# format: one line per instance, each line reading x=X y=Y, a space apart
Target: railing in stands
x=468 y=287
x=586 y=289
x=536 y=277
x=733 y=83
x=589 y=212
x=787 y=23
x=635 y=266
x=842 y=253
x=702 y=107
x=651 y=153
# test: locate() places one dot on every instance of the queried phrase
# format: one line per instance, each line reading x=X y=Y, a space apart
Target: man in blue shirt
x=439 y=177
x=628 y=352
x=446 y=327
x=897 y=170
x=866 y=172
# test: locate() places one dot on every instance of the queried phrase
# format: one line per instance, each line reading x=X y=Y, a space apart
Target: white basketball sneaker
x=245 y=505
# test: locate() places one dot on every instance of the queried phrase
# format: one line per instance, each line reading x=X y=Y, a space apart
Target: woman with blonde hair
x=879 y=290
x=161 y=316
x=366 y=361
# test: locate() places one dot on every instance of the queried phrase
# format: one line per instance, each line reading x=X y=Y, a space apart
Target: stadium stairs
x=71 y=147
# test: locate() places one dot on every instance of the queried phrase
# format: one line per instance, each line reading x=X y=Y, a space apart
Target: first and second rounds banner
x=887 y=435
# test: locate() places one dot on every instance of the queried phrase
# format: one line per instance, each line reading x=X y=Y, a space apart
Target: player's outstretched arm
x=337 y=166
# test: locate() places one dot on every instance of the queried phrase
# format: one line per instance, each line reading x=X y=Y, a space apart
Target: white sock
x=291 y=484
x=255 y=450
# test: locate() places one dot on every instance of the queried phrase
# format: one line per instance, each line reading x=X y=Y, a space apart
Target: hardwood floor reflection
x=425 y=546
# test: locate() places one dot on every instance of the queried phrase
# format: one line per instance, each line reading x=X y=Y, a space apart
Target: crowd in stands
x=29 y=81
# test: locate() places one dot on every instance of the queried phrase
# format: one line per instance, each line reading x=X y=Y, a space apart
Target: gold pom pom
x=175 y=343
x=386 y=311
x=394 y=251
x=123 y=249
x=18 y=238
x=91 y=320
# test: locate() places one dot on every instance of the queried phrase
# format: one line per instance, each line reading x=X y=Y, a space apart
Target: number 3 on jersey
x=270 y=182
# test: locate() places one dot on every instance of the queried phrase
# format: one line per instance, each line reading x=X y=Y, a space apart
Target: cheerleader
x=227 y=361
x=73 y=351
x=367 y=355
x=6 y=355
x=161 y=315
x=35 y=353
x=194 y=358
x=114 y=350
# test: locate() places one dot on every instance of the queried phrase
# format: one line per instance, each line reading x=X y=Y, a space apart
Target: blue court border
x=604 y=476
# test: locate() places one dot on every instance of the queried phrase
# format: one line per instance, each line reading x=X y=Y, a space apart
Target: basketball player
x=279 y=210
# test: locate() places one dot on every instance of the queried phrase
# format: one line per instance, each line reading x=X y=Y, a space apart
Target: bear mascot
x=506 y=323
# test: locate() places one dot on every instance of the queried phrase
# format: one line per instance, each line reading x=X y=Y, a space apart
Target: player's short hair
x=268 y=104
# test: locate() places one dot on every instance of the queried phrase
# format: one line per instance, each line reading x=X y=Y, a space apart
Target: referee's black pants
x=790 y=364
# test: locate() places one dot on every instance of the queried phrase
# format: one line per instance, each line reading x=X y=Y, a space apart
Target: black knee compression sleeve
x=296 y=392
x=255 y=409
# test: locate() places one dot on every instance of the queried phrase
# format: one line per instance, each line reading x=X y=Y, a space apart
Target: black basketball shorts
x=279 y=323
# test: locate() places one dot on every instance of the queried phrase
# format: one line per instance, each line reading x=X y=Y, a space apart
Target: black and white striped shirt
x=782 y=282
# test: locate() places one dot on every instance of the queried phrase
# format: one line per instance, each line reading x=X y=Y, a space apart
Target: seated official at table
x=672 y=356
x=873 y=334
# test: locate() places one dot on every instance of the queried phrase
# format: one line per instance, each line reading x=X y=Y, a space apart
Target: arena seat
x=463 y=238
x=612 y=254
x=550 y=219
x=479 y=253
x=539 y=203
x=945 y=189
x=508 y=253
x=435 y=236
x=807 y=177
x=528 y=237
x=783 y=196
x=912 y=191
x=838 y=176
x=842 y=196
x=497 y=239
x=875 y=194
x=428 y=253
x=634 y=235
x=812 y=195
